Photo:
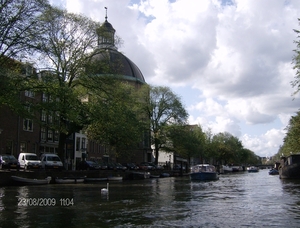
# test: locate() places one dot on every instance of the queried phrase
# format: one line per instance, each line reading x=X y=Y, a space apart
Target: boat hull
x=28 y=181
x=204 y=176
x=290 y=171
x=69 y=181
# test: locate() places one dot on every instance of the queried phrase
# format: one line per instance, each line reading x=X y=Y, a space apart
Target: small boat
x=95 y=179
x=204 y=172
x=139 y=175
x=252 y=169
x=68 y=180
x=30 y=181
x=165 y=175
x=114 y=178
x=290 y=167
x=227 y=169
x=236 y=168
x=273 y=172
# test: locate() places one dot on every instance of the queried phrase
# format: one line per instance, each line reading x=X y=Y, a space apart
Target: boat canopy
x=203 y=168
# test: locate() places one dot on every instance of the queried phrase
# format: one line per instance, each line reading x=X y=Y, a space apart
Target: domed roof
x=110 y=60
x=113 y=62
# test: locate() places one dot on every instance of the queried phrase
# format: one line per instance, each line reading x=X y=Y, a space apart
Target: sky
x=229 y=61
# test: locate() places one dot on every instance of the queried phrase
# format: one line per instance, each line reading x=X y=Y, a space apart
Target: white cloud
x=237 y=55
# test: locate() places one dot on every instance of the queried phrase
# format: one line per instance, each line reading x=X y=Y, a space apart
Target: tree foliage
x=292 y=140
x=296 y=62
x=162 y=108
x=19 y=26
x=185 y=140
x=115 y=118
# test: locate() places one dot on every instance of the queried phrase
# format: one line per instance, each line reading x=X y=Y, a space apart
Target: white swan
x=105 y=190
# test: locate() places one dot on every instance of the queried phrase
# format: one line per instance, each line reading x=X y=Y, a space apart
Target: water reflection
x=239 y=200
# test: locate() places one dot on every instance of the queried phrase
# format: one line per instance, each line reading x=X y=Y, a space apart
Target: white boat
x=227 y=169
x=204 y=172
x=236 y=168
x=31 y=181
x=252 y=169
x=69 y=180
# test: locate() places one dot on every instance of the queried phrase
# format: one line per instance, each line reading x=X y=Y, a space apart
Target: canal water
x=236 y=200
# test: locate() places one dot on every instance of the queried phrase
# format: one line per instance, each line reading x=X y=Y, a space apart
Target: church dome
x=110 y=61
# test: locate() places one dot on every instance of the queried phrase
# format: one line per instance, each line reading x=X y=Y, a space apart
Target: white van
x=29 y=161
x=51 y=161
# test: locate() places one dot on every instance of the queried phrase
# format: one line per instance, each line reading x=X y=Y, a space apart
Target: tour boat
x=203 y=172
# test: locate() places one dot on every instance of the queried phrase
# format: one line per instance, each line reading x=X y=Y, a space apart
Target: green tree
x=115 y=118
x=64 y=49
x=227 y=148
x=296 y=62
x=292 y=140
x=19 y=26
x=162 y=108
x=186 y=141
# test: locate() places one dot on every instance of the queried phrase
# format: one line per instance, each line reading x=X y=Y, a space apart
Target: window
x=22 y=147
x=83 y=146
x=77 y=143
x=56 y=136
x=45 y=97
x=43 y=134
x=50 y=135
x=50 y=119
x=27 y=125
x=44 y=116
x=29 y=93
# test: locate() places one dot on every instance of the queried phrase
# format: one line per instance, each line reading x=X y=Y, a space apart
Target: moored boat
x=273 y=172
x=290 y=167
x=203 y=172
x=69 y=180
x=30 y=181
x=252 y=169
x=226 y=169
x=139 y=175
x=114 y=178
x=95 y=179
x=236 y=168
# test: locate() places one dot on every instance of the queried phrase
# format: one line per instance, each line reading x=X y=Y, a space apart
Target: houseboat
x=290 y=167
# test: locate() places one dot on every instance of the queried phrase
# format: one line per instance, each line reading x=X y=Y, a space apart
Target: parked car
x=177 y=167
x=155 y=166
x=51 y=161
x=131 y=166
x=88 y=165
x=120 y=166
x=8 y=161
x=103 y=165
x=146 y=166
x=29 y=161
